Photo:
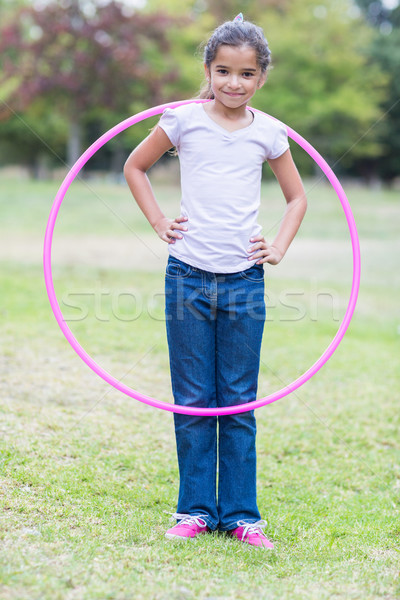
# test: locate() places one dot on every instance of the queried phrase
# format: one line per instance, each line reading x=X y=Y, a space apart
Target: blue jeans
x=215 y=324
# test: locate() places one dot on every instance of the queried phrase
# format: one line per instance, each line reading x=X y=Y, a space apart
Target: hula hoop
x=227 y=410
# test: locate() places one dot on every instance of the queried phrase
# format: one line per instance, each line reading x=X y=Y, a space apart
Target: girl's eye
x=246 y=74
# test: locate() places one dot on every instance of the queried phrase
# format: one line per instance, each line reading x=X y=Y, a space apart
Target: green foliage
x=84 y=66
x=323 y=84
x=35 y=137
x=84 y=61
x=384 y=53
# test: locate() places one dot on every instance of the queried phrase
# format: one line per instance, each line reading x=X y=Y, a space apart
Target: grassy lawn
x=88 y=476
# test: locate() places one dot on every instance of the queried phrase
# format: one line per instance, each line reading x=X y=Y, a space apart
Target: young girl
x=214 y=280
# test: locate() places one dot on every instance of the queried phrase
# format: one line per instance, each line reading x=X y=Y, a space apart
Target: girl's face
x=235 y=75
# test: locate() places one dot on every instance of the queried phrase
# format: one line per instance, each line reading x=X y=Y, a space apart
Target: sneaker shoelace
x=252 y=528
x=189 y=519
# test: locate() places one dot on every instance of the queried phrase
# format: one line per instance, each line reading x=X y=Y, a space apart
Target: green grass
x=89 y=475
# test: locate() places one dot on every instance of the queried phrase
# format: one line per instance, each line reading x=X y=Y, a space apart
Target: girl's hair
x=236 y=33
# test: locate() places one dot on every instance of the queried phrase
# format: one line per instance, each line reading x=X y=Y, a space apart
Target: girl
x=214 y=280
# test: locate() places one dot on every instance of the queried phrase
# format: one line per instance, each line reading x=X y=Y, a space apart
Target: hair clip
x=238 y=19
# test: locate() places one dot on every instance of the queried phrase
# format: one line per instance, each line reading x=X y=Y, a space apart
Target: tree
x=322 y=83
x=384 y=52
x=83 y=64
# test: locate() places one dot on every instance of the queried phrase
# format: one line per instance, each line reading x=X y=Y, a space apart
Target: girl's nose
x=234 y=81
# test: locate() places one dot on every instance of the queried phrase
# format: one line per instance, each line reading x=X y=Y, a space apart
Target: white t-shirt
x=220 y=183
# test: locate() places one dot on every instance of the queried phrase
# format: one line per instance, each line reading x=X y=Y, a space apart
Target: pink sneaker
x=188 y=527
x=250 y=533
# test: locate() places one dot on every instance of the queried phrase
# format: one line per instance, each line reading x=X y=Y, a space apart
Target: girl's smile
x=235 y=77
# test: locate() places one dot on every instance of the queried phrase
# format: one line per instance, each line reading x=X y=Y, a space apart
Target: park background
x=88 y=476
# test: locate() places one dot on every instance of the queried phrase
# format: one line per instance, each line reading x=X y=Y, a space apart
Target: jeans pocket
x=254 y=274
x=177 y=269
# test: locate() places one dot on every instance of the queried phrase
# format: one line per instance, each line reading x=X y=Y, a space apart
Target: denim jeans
x=214 y=327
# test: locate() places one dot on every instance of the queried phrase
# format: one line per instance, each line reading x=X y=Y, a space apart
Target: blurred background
x=70 y=70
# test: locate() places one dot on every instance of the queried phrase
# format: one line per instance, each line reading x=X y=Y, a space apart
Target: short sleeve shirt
x=221 y=184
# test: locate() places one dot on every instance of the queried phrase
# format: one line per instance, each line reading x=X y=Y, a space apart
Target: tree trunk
x=74 y=144
x=40 y=168
x=118 y=158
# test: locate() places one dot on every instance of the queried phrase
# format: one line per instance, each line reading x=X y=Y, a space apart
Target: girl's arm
x=292 y=187
x=136 y=166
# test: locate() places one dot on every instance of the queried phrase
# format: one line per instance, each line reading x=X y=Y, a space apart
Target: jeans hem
x=209 y=522
x=235 y=524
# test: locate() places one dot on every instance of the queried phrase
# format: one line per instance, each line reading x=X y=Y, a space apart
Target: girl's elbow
x=130 y=169
x=127 y=167
x=301 y=201
x=303 y=207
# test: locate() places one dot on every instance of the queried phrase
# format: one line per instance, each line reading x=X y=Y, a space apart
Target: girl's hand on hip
x=266 y=252
x=168 y=229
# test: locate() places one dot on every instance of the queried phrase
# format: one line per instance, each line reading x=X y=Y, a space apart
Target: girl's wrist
x=280 y=252
x=156 y=223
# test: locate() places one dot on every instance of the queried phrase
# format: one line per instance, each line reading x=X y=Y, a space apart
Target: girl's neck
x=229 y=118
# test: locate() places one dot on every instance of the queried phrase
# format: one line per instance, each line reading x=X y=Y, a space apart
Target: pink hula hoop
x=147 y=399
